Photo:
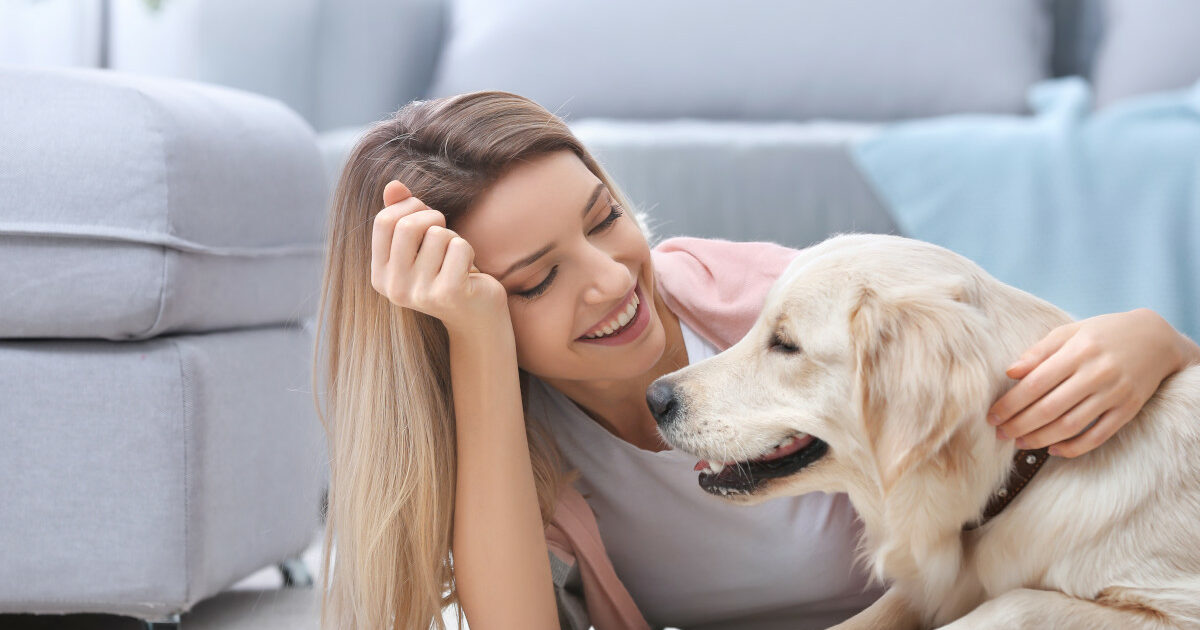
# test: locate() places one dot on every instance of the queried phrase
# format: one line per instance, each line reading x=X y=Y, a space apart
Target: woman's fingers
x=1040 y=351
x=1044 y=378
x=410 y=232
x=1054 y=404
x=381 y=246
x=1105 y=427
x=430 y=256
x=457 y=263
x=419 y=264
x=383 y=237
x=383 y=230
x=1067 y=425
x=394 y=192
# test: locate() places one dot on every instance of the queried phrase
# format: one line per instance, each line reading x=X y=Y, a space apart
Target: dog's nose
x=661 y=398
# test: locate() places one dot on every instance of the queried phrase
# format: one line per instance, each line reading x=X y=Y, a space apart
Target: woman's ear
x=918 y=373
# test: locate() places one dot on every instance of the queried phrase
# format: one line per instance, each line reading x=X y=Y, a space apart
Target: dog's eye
x=779 y=344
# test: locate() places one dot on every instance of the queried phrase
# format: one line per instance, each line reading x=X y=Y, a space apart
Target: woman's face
x=593 y=257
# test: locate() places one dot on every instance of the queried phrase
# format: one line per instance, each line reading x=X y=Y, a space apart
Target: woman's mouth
x=635 y=316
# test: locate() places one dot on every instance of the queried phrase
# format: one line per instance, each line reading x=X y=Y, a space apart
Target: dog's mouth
x=788 y=457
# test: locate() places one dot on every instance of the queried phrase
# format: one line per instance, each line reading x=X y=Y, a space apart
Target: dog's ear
x=919 y=373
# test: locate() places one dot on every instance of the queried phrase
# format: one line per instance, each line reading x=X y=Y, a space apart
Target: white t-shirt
x=693 y=561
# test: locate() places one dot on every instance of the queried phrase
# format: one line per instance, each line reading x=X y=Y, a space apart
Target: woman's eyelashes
x=615 y=214
x=607 y=223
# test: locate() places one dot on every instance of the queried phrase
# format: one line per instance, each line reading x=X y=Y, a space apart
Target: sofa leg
x=295 y=573
x=170 y=622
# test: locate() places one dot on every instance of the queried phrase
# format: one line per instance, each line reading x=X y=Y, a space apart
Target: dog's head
x=869 y=371
x=875 y=358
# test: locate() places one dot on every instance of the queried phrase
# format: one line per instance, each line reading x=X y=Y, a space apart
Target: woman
x=491 y=278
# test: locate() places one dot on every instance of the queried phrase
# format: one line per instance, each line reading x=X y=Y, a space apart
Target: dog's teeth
x=789 y=440
x=716 y=467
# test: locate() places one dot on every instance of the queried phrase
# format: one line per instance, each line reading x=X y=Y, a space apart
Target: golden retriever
x=873 y=363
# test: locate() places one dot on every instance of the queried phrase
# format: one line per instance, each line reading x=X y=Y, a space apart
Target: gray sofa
x=160 y=242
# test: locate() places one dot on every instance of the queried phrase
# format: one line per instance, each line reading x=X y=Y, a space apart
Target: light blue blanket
x=1097 y=212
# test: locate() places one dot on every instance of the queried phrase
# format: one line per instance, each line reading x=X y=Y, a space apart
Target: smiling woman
x=490 y=343
x=543 y=219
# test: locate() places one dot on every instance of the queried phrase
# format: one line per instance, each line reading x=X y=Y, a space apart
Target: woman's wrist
x=1189 y=352
x=1186 y=352
x=496 y=330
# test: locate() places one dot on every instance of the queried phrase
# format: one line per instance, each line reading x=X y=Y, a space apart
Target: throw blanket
x=1096 y=212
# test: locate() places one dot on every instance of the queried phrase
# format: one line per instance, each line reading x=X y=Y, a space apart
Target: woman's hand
x=1100 y=369
x=417 y=263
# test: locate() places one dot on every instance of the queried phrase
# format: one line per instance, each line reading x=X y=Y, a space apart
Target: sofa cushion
x=1148 y=46
x=266 y=46
x=133 y=207
x=857 y=60
x=791 y=183
x=141 y=477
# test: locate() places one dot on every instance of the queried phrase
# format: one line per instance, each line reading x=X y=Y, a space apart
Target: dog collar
x=1025 y=466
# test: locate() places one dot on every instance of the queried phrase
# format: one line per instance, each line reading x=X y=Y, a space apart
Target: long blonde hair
x=389 y=415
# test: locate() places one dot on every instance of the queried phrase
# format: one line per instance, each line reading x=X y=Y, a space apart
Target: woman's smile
x=628 y=332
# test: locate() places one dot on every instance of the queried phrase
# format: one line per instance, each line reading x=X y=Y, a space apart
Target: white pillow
x=769 y=59
x=1148 y=46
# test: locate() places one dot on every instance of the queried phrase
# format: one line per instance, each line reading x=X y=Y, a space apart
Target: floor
x=256 y=603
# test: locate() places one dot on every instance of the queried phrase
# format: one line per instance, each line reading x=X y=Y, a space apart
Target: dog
x=869 y=371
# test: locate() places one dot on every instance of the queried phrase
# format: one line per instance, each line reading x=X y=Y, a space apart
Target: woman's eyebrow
x=532 y=258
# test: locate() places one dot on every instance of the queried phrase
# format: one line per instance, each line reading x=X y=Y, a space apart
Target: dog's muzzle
x=737 y=477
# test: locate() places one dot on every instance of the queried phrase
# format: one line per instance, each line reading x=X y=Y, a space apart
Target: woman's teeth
x=619 y=321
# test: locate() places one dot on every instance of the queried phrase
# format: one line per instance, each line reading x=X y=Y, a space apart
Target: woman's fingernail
x=1021 y=443
x=1054 y=451
x=1000 y=433
x=993 y=419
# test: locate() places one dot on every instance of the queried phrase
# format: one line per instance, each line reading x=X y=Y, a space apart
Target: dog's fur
x=903 y=347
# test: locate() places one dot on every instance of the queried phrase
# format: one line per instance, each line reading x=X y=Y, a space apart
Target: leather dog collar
x=1025 y=466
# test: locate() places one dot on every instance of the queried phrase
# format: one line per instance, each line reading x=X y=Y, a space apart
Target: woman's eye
x=611 y=218
x=607 y=223
x=540 y=288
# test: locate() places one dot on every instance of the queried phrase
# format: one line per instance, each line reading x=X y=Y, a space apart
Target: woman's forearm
x=502 y=569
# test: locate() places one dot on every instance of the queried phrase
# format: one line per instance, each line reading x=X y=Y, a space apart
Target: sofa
x=160 y=242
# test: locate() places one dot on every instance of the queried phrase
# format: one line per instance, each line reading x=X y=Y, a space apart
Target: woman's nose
x=610 y=279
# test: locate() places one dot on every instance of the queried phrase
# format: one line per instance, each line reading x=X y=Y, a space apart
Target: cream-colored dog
x=869 y=372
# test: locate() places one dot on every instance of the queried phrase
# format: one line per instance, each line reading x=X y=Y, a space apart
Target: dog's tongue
x=783 y=451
